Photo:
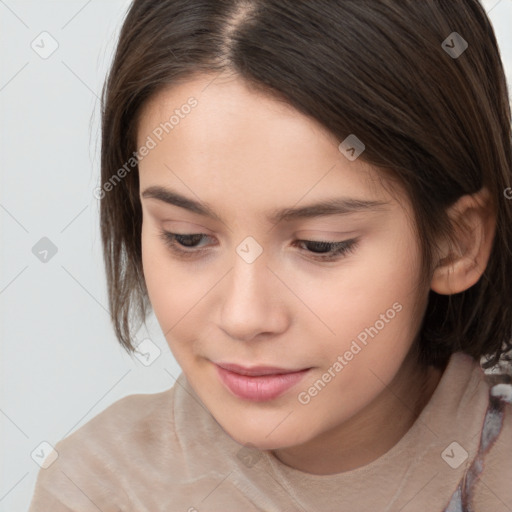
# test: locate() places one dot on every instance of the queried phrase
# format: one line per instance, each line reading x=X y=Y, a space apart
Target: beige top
x=166 y=452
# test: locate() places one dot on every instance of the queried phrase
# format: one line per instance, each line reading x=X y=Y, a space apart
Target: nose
x=253 y=301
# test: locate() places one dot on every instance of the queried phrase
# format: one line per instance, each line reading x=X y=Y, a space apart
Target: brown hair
x=439 y=124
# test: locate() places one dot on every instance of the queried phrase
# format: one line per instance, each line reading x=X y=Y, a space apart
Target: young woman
x=314 y=197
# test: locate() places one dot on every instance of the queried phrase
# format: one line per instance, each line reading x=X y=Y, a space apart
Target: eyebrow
x=334 y=206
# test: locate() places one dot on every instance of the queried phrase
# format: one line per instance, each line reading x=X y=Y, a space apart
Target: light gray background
x=60 y=362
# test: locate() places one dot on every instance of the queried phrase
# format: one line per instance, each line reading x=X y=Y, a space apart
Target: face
x=329 y=296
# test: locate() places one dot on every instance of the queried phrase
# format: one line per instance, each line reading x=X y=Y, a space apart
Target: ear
x=474 y=223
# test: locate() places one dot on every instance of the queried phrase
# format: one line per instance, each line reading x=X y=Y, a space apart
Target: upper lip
x=257 y=370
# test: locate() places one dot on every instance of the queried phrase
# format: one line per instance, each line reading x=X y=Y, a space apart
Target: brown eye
x=329 y=251
x=317 y=250
x=179 y=243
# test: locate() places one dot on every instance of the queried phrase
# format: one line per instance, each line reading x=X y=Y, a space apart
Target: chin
x=257 y=436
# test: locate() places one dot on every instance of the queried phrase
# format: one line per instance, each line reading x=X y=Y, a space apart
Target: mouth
x=257 y=371
x=258 y=383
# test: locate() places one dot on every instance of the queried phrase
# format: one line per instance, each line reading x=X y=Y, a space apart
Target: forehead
x=243 y=143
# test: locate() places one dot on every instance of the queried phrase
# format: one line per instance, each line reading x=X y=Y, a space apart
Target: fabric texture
x=166 y=452
x=462 y=498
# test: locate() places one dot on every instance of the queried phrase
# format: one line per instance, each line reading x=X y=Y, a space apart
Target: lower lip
x=259 y=389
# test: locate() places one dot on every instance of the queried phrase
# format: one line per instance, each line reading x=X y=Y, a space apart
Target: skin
x=245 y=154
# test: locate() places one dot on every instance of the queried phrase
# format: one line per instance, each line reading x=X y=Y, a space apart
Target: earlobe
x=461 y=265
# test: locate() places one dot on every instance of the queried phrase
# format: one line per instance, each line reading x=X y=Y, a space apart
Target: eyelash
x=337 y=249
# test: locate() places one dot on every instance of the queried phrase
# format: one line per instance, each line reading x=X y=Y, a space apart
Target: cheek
x=372 y=311
x=371 y=308
x=347 y=298
x=175 y=289
x=153 y=265
x=163 y=283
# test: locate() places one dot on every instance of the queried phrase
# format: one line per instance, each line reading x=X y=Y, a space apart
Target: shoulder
x=129 y=415
x=136 y=418
x=93 y=463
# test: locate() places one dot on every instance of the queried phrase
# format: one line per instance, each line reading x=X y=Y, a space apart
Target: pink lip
x=259 y=383
x=256 y=371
